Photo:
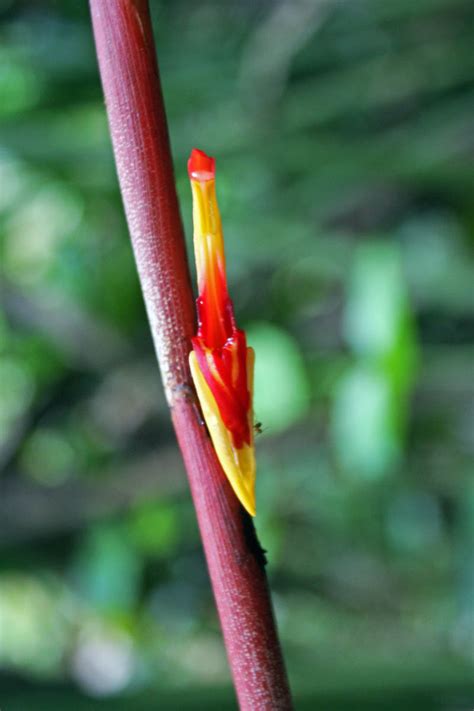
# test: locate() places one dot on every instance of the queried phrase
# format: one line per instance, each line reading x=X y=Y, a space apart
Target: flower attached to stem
x=221 y=363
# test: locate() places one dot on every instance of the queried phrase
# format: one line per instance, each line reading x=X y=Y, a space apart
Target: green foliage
x=370 y=407
x=278 y=362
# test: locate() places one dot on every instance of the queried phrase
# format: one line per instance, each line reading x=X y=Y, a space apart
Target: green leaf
x=281 y=392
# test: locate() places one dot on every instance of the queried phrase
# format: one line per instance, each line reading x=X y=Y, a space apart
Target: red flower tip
x=201 y=166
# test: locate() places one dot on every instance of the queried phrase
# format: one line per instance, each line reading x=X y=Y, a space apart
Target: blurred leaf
x=370 y=407
x=20 y=85
x=363 y=430
x=107 y=569
x=35 y=624
x=281 y=385
x=414 y=522
x=376 y=300
x=48 y=457
x=16 y=392
x=154 y=529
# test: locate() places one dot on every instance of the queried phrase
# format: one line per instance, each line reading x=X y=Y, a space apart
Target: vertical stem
x=137 y=121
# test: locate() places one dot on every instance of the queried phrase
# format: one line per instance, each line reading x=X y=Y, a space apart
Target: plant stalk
x=137 y=121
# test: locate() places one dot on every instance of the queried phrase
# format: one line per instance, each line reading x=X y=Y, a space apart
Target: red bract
x=225 y=371
x=220 y=348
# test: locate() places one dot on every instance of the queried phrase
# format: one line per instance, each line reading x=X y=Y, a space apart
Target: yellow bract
x=238 y=464
x=208 y=239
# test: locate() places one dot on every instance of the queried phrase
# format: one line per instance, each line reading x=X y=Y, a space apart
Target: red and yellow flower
x=221 y=363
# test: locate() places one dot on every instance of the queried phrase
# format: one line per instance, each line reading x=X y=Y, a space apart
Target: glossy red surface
x=201 y=166
x=230 y=388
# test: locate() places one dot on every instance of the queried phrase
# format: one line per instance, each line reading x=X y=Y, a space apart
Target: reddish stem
x=130 y=80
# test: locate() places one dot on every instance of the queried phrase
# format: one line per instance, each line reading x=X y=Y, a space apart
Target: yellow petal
x=238 y=464
x=208 y=238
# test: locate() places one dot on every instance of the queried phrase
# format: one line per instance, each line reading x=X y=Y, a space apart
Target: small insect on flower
x=221 y=363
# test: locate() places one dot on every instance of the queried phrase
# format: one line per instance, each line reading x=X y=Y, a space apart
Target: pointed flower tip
x=201 y=166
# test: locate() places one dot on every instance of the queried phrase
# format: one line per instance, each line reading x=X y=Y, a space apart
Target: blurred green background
x=343 y=131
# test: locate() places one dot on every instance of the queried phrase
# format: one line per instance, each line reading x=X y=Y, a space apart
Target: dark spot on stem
x=252 y=540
